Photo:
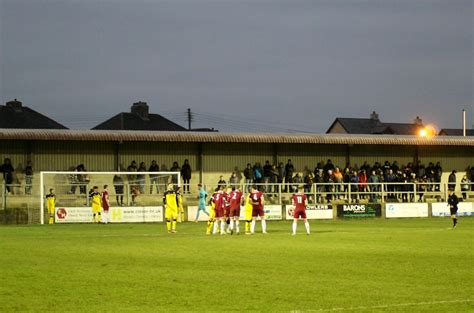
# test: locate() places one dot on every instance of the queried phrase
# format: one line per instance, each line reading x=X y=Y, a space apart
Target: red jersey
x=219 y=200
x=226 y=200
x=257 y=197
x=235 y=197
x=299 y=200
x=105 y=203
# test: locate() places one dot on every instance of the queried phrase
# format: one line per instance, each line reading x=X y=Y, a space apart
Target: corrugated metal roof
x=184 y=136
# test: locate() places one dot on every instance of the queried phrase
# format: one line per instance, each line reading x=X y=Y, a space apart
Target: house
x=139 y=118
x=455 y=132
x=14 y=115
x=373 y=125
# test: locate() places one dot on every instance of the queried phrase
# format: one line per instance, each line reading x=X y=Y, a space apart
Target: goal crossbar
x=42 y=173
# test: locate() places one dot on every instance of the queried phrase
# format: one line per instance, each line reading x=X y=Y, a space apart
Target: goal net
x=133 y=196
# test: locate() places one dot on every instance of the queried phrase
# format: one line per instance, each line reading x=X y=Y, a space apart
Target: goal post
x=125 y=188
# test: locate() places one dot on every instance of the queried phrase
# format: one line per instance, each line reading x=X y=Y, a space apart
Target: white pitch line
x=386 y=306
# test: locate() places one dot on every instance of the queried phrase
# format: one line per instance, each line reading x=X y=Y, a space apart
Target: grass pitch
x=415 y=265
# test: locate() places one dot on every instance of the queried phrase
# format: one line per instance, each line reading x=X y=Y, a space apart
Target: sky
x=240 y=65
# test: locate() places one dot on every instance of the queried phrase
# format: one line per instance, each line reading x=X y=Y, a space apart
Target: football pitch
x=373 y=265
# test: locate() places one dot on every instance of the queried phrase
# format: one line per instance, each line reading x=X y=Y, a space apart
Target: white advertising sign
x=192 y=211
x=394 y=210
x=442 y=209
x=116 y=215
x=317 y=212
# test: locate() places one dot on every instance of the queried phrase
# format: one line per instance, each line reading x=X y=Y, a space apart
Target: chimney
x=141 y=109
x=15 y=105
x=374 y=116
x=418 y=121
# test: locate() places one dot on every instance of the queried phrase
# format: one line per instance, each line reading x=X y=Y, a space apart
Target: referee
x=453 y=207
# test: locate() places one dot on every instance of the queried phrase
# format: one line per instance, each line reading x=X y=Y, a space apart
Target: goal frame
x=42 y=173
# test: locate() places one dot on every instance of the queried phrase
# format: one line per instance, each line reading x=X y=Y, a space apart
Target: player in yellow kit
x=180 y=207
x=212 y=213
x=96 y=204
x=51 y=200
x=248 y=214
x=171 y=205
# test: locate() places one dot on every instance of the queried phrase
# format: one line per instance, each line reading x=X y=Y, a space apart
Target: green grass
x=411 y=265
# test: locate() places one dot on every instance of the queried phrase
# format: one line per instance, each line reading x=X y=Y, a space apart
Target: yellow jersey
x=51 y=199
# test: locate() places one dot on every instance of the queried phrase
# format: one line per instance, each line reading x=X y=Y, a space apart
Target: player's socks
x=209 y=227
x=295 y=224
x=306 y=224
x=168 y=225
x=51 y=219
x=173 y=225
x=99 y=217
x=455 y=221
x=223 y=223
x=237 y=227
x=231 y=225
x=252 y=226
x=247 y=226
x=215 y=226
x=94 y=218
x=264 y=226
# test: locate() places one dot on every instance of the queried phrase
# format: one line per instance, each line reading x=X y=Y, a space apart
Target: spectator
x=452 y=181
x=257 y=174
x=186 y=174
x=281 y=174
x=7 y=170
x=175 y=168
x=83 y=179
x=438 y=171
x=233 y=180
x=328 y=167
x=141 y=177
x=338 y=179
x=74 y=181
x=373 y=186
x=297 y=181
x=163 y=180
x=132 y=177
x=465 y=186
x=28 y=177
x=354 y=186
x=221 y=183
x=267 y=175
x=471 y=176
x=308 y=183
x=154 y=167
x=274 y=179
x=248 y=174
x=362 y=183
x=289 y=169
x=318 y=180
x=118 y=186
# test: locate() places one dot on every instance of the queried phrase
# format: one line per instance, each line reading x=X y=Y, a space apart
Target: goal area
x=125 y=189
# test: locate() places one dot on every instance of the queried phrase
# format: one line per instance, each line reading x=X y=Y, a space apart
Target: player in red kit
x=105 y=204
x=257 y=201
x=300 y=201
x=219 y=203
x=235 y=199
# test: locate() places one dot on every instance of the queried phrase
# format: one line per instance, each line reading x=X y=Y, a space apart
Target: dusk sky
x=240 y=65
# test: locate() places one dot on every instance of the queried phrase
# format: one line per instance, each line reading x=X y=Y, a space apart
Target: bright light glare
x=423 y=132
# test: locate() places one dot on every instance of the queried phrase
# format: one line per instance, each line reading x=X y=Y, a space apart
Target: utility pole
x=190 y=118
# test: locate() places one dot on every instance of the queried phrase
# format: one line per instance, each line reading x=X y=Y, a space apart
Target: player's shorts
x=51 y=210
x=219 y=212
x=299 y=213
x=212 y=212
x=96 y=208
x=453 y=211
x=257 y=211
x=227 y=212
x=235 y=212
x=106 y=209
x=171 y=213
